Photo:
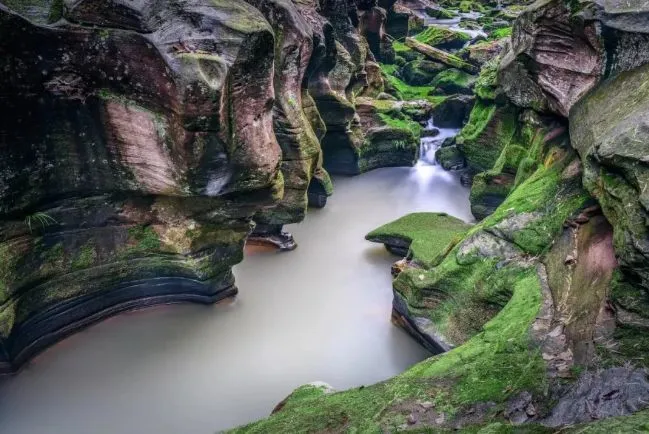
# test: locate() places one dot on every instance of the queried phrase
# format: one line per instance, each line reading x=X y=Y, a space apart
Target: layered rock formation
x=136 y=147
x=541 y=306
x=143 y=142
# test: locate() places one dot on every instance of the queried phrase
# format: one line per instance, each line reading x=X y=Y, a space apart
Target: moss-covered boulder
x=483 y=52
x=431 y=301
x=520 y=156
x=609 y=130
x=489 y=129
x=424 y=237
x=443 y=38
x=439 y=13
x=391 y=132
x=450 y=158
x=421 y=72
x=453 y=81
x=453 y=112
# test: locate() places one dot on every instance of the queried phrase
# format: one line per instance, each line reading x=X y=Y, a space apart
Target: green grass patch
x=504 y=32
x=430 y=234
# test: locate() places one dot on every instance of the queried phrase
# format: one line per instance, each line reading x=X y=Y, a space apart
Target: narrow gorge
x=376 y=216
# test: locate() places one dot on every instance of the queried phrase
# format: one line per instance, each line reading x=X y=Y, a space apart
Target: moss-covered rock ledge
x=517 y=304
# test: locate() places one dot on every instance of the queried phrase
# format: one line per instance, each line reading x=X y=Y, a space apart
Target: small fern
x=41 y=218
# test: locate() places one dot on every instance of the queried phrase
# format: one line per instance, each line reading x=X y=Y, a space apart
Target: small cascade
x=454 y=24
x=432 y=139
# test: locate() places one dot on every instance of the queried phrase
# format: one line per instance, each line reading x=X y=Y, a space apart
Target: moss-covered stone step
x=425 y=236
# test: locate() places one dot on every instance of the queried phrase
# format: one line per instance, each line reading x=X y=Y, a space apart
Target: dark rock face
x=554 y=60
x=610 y=393
x=454 y=111
x=609 y=130
x=132 y=160
x=295 y=134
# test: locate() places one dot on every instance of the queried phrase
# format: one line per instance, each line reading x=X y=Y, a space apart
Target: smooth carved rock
x=135 y=149
x=295 y=134
x=554 y=59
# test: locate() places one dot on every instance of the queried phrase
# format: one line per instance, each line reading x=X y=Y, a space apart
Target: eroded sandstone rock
x=135 y=152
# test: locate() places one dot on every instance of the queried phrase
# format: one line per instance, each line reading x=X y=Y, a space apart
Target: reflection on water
x=321 y=312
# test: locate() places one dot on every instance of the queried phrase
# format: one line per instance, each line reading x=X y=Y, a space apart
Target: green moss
x=470 y=6
x=431 y=234
x=439 y=13
x=403 y=123
x=510 y=158
x=492 y=366
x=86 y=257
x=486 y=84
x=451 y=81
x=546 y=193
x=143 y=239
x=489 y=129
x=56 y=11
x=504 y=32
x=8 y=260
x=403 y=90
x=497 y=361
x=480 y=116
x=436 y=36
x=525 y=169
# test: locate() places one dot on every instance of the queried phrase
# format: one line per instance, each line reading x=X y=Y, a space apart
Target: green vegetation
x=405 y=91
x=142 y=239
x=504 y=32
x=489 y=129
x=486 y=84
x=452 y=81
x=494 y=365
x=471 y=6
x=39 y=219
x=8 y=262
x=402 y=123
x=431 y=234
x=545 y=192
x=438 y=36
x=86 y=257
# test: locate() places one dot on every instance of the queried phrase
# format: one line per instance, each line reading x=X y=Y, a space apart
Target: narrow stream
x=321 y=312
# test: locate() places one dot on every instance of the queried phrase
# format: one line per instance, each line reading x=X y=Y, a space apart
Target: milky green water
x=321 y=312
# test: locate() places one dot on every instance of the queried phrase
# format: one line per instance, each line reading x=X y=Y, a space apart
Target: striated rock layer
x=137 y=142
x=145 y=142
x=541 y=307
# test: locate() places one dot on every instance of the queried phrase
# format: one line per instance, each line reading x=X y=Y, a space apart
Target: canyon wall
x=539 y=309
x=143 y=143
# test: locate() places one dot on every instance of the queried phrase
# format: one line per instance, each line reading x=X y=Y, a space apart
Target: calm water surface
x=321 y=312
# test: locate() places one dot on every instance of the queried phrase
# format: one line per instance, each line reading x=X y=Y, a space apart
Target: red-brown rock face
x=134 y=153
x=554 y=60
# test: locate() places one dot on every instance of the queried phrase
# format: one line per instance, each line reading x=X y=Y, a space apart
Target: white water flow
x=321 y=312
x=454 y=24
x=427 y=162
